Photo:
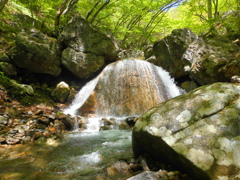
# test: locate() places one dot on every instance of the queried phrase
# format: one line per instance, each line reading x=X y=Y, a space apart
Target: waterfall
x=124 y=88
x=81 y=97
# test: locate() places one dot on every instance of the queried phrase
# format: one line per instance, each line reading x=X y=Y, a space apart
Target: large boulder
x=206 y=61
x=37 y=52
x=212 y=60
x=83 y=65
x=169 y=51
x=198 y=132
x=82 y=37
x=91 y=48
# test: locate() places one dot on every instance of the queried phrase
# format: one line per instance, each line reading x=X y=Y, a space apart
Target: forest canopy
x=132 y=23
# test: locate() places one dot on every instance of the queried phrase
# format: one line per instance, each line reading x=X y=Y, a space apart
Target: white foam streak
x=169 y=83
x=91 y=159
x=81 y=97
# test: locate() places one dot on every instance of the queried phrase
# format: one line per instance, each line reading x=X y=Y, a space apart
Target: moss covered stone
x=197 y=132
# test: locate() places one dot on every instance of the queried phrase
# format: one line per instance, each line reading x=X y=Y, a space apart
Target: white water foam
x=90 y=159
x=81 y=97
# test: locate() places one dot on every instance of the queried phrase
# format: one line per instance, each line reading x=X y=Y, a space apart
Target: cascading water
x=125 y=88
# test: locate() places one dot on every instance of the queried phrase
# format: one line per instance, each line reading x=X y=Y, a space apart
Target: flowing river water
x=81 y=155
x=89 y=154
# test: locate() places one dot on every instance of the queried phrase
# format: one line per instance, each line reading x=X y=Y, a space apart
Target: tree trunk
x=100 y=8
x=59 y=13
x=209 y=6
x=2 y=4
x=90 y=12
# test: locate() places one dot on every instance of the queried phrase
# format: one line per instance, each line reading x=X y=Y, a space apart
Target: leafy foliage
x=133 y=23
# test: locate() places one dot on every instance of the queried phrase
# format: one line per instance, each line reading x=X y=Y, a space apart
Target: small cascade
x=81 y=97
x=124 y=88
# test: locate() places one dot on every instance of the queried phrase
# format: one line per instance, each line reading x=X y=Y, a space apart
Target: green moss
x=17 y=92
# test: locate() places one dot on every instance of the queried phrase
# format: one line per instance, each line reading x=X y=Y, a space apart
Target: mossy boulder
x=198 y=132
x=15 y=88
x=61 y=92
x=82 y=37
x=83 y=65
x=87 y=49
x=206 y=61
x=8 y=68
x=170 y=49
x=37 y=52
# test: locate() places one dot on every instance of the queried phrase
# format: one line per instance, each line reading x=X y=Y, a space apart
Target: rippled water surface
x=81 y=155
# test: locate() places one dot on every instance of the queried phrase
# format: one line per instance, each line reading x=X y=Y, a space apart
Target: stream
x=80 y=155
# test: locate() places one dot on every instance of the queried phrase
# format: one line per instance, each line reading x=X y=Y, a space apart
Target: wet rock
x=133 y=77
x=131 y=121
x=72 y=95
x=107 y=122
x=135 y=167
x=162 y=173
x=46 y=134
x=148 y=175
x=112 y=171
x=37 y=135
x=68 y=121
x=197 y=133
x=104 y=128
x=124 y=125
x=152 y=59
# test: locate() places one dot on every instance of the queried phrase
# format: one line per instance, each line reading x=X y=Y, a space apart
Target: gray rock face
x=83 y=65
x=183 y=53
x=81 y=37
x=212 y=60
x=170 y=49
x=37 y=52
x=88 y=49
x=197 y=132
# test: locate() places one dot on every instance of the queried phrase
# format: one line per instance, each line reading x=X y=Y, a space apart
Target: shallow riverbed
x=80 y=155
